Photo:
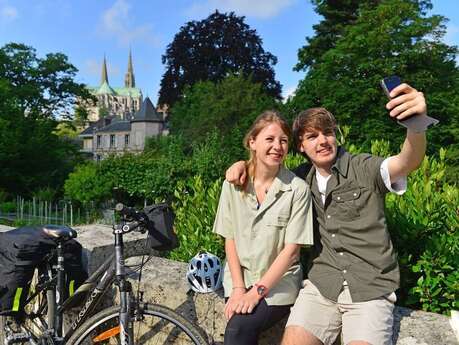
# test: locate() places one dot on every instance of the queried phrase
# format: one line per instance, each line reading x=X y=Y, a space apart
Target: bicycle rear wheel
x=155 y=325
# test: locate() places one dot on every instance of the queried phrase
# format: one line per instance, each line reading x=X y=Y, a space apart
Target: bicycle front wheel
x=153 y=326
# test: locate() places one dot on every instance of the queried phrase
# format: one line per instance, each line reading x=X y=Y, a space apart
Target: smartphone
x=415 y=123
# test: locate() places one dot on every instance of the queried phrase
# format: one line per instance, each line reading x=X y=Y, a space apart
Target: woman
x=264 y=223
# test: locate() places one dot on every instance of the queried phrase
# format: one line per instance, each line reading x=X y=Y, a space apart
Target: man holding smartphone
x=353 y=269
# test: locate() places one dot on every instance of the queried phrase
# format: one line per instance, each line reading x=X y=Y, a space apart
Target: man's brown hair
x=312 y=119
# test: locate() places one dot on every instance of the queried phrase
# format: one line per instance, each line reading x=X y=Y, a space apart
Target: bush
x=3 y=195
x=195 y=207
x=424 y=225
x=86 y=185
x=45 y=194
x=8 y=207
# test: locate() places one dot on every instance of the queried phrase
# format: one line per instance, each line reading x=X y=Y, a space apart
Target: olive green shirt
x=260 y=234
x=352 y=240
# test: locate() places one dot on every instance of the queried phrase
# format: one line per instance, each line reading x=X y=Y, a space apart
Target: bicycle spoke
x=158 y=326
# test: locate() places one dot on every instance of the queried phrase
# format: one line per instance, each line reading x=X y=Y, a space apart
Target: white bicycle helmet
x=205 y=273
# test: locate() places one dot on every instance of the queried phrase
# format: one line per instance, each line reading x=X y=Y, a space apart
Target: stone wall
x=163 y=282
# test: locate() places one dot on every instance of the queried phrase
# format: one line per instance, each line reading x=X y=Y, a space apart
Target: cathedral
x=121 y=120
x=122 y=102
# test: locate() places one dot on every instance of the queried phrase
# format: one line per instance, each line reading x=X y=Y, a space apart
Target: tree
x=86 y=185
x=34 y=94
x=337 y=16
x=227 y=107
x=394 y=37
x=211 y=49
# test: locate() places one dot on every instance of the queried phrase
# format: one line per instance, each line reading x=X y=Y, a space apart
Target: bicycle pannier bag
x=24 y=249
x=21 y=251
x=161 y=235
x=75 y=274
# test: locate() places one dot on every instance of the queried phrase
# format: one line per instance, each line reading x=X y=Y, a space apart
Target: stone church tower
x=122 y=102
x=129 y=80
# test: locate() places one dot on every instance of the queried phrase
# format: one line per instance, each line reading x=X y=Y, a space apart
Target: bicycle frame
x=53 y=286
x=112 y=270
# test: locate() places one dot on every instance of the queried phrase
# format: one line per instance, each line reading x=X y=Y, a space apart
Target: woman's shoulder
x=295 y=182
x=230 y=188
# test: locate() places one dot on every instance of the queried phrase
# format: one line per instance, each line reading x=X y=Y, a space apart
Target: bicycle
x=131 y=322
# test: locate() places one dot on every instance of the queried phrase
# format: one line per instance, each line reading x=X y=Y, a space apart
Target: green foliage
x=437 y=288
x=337 y=15
x=212 y=157
x=33 y=92
x=293 y=160
x=86 y=185
x=81 y=116
x=8 y=207
x=227 y=108
x=66 y=129
x=3 y=195
x=210 y=50
x=424 y=226
x=195 y=207
x=45 y=194
x=380 y=38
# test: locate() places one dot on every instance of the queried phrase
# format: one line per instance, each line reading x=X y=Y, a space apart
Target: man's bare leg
x=296 y=335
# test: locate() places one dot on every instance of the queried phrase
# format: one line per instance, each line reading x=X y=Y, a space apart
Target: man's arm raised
x=407 y=102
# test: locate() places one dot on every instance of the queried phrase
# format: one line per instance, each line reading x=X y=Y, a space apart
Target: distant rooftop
x=147 y=113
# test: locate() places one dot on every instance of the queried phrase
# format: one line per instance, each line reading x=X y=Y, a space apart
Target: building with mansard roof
x=114 y=135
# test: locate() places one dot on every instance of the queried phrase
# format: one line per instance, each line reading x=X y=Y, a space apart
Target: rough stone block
x=163 y=282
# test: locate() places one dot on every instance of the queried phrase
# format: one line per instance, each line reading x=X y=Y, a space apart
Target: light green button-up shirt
x=285 y=216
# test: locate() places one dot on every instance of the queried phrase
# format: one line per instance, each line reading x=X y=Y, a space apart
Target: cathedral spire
x=129 y=80
x=104 y=72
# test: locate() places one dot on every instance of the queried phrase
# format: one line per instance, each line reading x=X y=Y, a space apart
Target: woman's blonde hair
x=264 y=119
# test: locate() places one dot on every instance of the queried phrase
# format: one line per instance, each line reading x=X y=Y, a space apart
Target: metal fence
x=61 y=212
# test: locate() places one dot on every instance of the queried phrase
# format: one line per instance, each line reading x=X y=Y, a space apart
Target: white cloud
x=116 y=22
x=8 y=13
x=261 y=9
x=288 y=92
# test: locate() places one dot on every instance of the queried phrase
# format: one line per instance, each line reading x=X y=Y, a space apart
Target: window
x=99 y=141
x=112 y=140
x=126 y=140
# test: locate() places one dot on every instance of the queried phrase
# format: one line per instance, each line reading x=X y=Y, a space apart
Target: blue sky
x=85 y=30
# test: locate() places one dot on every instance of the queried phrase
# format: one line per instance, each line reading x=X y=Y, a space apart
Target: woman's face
x=270 y=145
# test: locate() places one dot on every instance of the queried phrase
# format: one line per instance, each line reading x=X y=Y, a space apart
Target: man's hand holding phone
x=406 y=105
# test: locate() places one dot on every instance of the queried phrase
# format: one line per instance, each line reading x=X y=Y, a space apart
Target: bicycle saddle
x=60 y=232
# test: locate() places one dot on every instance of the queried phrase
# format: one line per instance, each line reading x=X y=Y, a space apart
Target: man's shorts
x=369 y=321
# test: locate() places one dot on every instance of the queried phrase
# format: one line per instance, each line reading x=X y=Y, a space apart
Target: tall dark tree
x=337 y=15
x=211 y=49
x=392 y=37
x=34 y=93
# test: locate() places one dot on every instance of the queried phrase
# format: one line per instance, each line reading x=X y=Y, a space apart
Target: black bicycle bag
x=75 y=274
x=161 y=235
x=21 y=251
x=24 y=249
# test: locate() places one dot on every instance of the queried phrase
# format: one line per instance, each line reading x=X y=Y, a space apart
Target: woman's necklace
x=261 y=191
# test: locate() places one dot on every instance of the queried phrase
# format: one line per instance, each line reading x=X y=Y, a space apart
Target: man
x=353 y=271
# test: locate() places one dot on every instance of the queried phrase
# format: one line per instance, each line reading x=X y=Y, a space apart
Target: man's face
x=320 y=147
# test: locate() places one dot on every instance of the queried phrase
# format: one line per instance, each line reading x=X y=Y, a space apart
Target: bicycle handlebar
x=131 y=213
